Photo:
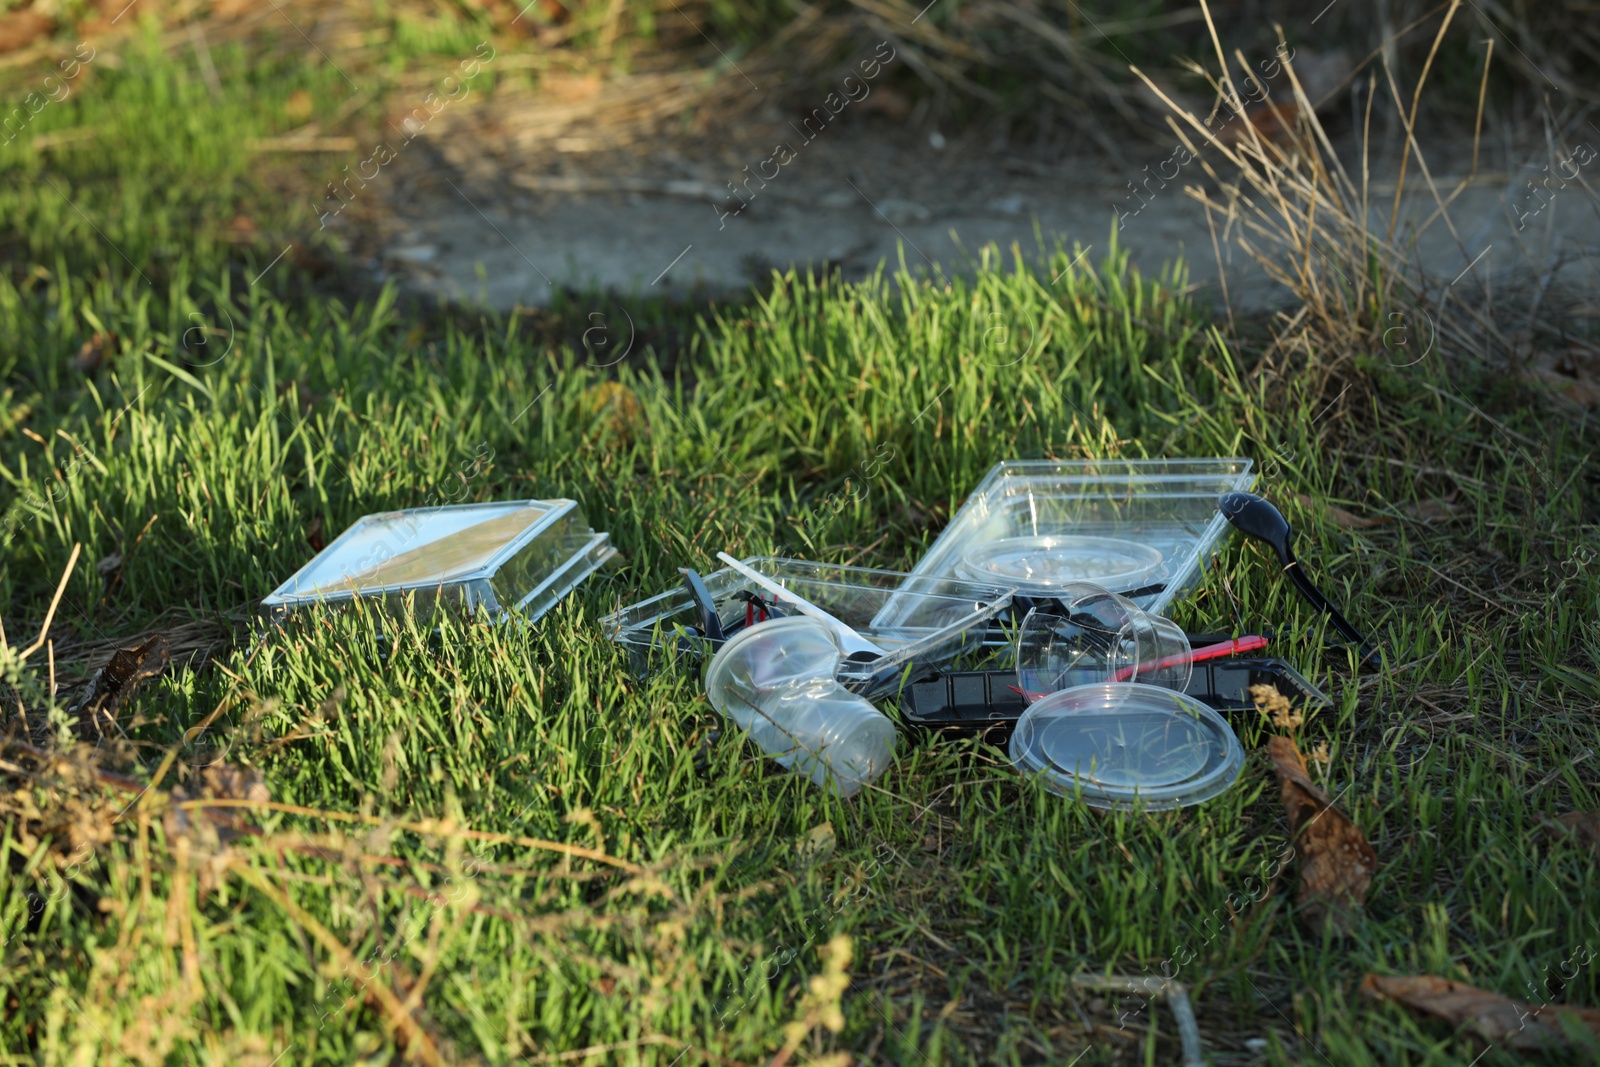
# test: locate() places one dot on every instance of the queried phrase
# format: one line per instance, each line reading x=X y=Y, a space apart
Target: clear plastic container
x=1141 y=528
x=938 y=620
x=776 y=681
x=1125 y=745
x=1102 y=638
x=522 y=555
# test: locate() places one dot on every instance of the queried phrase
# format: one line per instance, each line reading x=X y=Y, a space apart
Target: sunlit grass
x=635 y=884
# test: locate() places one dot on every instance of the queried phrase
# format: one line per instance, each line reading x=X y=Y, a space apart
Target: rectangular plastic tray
x=937 y=620
x=522 y=555
x=1165 y=509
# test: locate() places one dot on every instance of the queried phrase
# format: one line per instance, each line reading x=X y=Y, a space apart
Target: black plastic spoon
x=1256 y=517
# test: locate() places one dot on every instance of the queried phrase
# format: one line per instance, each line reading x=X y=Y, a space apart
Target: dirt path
x=667 y=223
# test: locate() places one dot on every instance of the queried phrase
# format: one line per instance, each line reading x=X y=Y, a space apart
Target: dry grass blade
x=55 y=602
x=1341 y=518
x=1558 y=36
x=419 y=1046
x=189 y=639
x=1289 y=203
x=1411 y=118
x=429 y=827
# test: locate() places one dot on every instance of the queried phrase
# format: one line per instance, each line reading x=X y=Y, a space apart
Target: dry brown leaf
x=93 y=353
x=1274 y=124
x=1434 y=509
x=314 y=536
x=617 y=409
x=1582 y=826
x=1336 y=862
x=1494 y=1018
x=887 y=102
x=569 y=88
x=1339 y=516
x=21 y=28
x=1575 y=373
x=298 y=106
x=128 y=668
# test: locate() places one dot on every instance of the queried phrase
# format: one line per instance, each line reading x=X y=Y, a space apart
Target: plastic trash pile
x=1038 y=617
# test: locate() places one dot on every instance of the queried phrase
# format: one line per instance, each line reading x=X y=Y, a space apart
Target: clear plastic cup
x=1104 y=637
x=776 y=681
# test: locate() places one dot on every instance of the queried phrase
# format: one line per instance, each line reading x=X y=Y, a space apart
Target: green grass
x=971 y=895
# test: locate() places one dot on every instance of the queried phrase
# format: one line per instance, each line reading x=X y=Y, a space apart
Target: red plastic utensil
x=1252 y=643
x=1217 y=651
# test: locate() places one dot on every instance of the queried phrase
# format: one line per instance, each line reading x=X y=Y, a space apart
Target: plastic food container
x=1126 y=745
x=937 y=618
x=1141 y=528
x=518 y=555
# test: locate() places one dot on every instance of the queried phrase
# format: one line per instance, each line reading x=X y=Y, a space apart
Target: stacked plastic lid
x=1127 y=745
x=1047 y=563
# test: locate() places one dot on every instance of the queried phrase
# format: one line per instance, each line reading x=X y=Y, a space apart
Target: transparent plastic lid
x=1046 y=564
x=523 y=554
x=1127 y=745
x=424 y=545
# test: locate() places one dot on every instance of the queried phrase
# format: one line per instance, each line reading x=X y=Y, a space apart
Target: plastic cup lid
x=1127 y=745
x=1048 y=562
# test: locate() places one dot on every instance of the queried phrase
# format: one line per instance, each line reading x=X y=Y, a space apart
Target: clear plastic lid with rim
x=1127 y=745
x=1141 y=528
x=940 y=618
x=520 y=555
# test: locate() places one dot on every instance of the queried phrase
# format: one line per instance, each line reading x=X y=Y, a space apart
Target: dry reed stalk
x=1300 y=215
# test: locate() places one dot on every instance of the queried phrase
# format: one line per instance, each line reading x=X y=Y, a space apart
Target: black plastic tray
x=984 y=701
